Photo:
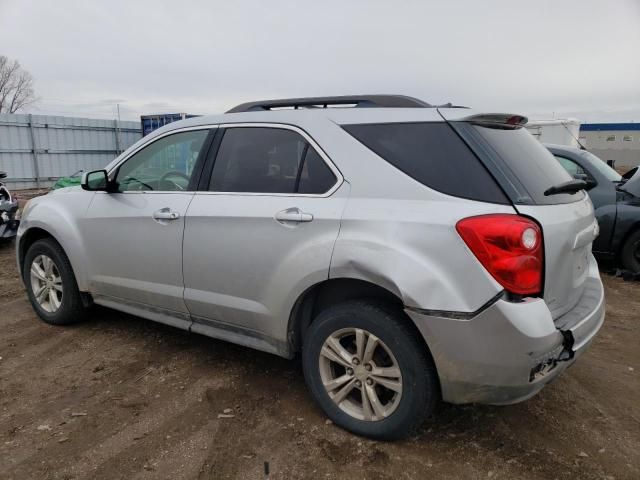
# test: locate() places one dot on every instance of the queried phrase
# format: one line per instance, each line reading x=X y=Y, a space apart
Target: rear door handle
x=293 y=215
x=166 y=214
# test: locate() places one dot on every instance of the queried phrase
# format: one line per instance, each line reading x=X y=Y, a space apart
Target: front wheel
x=51 y=284
x=368 y=370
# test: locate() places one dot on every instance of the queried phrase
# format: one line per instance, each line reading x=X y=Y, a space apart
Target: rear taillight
x=509 y=247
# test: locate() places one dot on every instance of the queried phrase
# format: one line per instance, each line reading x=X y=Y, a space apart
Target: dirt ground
x=121 y=397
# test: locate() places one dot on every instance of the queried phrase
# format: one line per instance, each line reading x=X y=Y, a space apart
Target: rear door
x=262 y=232
x=526 y=169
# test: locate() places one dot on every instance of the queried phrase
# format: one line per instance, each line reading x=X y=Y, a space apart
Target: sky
x=543 y=58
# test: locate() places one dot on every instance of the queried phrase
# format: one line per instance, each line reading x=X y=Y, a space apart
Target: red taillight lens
x=509 y=247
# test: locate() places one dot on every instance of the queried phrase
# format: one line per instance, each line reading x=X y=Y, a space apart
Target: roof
x=607 y=127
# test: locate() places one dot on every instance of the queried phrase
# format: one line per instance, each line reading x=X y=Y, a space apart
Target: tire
x=630 y=255
x=401 y=413
x=69 y=307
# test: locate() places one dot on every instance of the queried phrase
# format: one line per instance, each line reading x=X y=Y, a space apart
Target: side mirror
x=96 y=181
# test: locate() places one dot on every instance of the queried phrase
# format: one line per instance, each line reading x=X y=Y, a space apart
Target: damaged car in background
x=8 y=212
x=616 y=200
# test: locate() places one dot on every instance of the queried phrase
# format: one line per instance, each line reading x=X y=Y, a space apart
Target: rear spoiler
x=498 y=120
x=493 y=120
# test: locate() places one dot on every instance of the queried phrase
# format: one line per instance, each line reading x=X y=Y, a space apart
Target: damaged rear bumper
x=8 y=222
x=508 y=352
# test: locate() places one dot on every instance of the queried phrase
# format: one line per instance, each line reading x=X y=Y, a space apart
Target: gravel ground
x=121 y=397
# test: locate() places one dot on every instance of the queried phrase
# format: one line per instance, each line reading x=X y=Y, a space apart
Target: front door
x=262 y=233
x=134 y=235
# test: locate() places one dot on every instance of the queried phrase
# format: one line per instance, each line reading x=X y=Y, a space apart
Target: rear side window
x=269 y=160
x=432 y=154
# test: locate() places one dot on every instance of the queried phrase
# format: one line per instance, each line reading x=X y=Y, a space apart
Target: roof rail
x=360 y=101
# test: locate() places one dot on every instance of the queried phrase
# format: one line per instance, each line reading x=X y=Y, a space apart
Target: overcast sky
x=538 y=57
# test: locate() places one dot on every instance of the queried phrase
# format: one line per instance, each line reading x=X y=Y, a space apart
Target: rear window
x=434 y=155
x=528 y=167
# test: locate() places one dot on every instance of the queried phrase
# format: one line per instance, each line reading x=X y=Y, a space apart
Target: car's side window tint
x=165 y=165
x=267 y=160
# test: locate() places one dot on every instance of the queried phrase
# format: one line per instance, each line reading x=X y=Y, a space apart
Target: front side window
x=269 y=160
x=165 y=165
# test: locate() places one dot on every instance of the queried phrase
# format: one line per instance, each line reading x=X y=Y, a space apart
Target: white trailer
x=562 y=131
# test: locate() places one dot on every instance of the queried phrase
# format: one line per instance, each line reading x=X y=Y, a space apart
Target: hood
x=632 y=185
x=65 y=190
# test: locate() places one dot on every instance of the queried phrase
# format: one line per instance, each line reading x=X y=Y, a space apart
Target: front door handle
x=166 y=214
x=293 y=215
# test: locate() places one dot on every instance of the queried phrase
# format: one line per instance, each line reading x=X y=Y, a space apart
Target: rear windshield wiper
x=572 y=186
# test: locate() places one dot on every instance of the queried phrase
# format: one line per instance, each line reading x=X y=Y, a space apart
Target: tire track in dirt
x=107 y=445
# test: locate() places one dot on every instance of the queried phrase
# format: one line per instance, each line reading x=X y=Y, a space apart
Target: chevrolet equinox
x=409 y=253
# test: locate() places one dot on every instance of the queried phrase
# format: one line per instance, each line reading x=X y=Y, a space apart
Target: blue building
x=149 y=123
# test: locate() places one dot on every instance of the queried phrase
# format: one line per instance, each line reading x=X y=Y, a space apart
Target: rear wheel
x=631 y=253
x=51 y=284
x=368 y=371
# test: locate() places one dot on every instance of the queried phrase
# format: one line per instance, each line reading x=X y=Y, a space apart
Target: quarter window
x=165 y=165
x=269 y=160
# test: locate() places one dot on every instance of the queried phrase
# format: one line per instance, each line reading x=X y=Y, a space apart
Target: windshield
x=601 y=166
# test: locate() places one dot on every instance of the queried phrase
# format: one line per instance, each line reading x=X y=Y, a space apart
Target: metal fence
x=35 y=150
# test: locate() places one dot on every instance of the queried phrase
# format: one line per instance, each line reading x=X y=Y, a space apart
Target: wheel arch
x=630 y=230
x=35 y=233
x=27 y=239
x=330 y=292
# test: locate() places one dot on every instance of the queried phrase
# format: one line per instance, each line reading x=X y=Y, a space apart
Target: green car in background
x=69 y=181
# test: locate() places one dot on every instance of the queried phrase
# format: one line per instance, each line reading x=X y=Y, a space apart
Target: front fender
x=58 y=215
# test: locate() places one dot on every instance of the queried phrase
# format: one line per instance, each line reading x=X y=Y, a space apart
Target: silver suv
x=409 y=253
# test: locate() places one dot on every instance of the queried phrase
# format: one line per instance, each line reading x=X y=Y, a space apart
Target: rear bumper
x=8 y=223
x=510 y=351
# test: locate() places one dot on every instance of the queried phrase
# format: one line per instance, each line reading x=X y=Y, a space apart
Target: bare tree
x=16 y=86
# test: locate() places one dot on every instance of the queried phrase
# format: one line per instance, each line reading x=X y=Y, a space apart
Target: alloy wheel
x=360 y=374
x=46 y=283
